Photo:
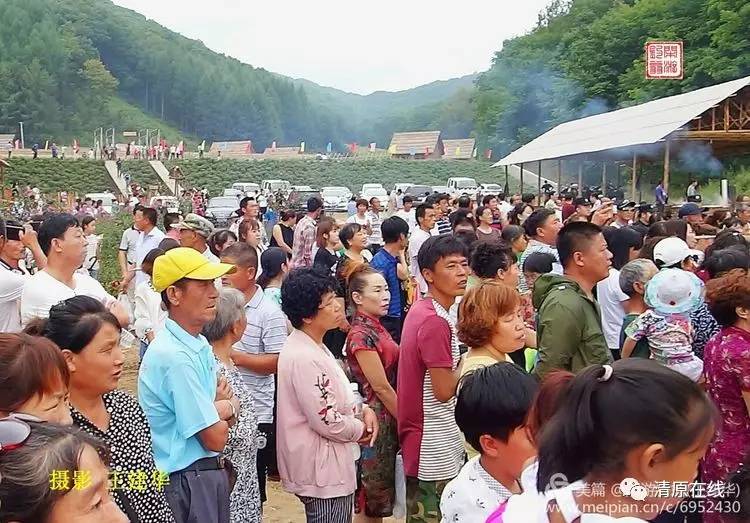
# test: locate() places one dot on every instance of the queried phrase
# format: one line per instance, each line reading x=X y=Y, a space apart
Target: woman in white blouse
x=148 y=311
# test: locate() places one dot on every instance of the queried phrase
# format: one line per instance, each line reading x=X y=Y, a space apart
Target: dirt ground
x=281 y=506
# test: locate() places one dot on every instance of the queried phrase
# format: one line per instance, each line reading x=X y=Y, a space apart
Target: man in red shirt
x=428 y=372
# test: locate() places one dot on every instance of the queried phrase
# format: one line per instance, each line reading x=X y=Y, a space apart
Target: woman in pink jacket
x=318 y=428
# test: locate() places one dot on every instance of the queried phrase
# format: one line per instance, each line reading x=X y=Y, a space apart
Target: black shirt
x=326 y=259
x=287 y=233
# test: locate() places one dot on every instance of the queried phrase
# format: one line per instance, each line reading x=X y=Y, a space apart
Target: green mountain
x=71 y=66
x=587 y=56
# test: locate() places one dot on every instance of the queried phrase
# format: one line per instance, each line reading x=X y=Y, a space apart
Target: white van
x=273 y=186
x=247 y=188
x=459 y=185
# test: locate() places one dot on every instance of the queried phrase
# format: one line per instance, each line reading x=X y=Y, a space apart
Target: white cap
x=671 y=251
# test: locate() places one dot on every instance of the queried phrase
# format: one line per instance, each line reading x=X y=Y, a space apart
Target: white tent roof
x=637 y=125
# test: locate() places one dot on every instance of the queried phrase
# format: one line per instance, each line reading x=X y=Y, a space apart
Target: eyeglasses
x=13 y=433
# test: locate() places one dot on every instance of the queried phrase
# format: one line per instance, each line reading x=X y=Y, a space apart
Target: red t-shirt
x=431 y=443
x=567 y=210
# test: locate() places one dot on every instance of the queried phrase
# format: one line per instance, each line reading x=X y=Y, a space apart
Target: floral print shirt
x=727 y=369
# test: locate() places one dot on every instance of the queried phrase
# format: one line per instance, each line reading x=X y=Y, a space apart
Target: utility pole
x=23 y=146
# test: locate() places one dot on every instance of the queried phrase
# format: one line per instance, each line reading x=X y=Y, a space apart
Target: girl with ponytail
x=624 y=426
x=372 y=356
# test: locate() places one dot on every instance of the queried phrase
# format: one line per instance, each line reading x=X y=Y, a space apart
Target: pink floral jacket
x=315 y=421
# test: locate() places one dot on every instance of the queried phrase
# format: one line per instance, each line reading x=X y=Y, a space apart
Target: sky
x=354 y=46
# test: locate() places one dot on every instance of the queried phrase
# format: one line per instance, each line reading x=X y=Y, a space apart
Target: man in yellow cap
x=189 y=411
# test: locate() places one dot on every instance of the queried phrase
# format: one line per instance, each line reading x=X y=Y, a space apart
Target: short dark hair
x=528 y=197
x=619 y=242
x=724 y=260
x=169 y=219
x=437 y=247
x=55 y=226
x=408 y=199
x=442 y=197
x=302 y=293
x=511 y=232
x=244 y=201
x=727 y=292
x=536 y=220
x=539 y=262
x=150 y=214
x=488 y=256
x=421 y=210
x=488 y=198
x=575 y=237
x=87 y=220
x=243 y=255
x=392 y=228
x=362 y=201
x=314 y=203
x=493 y=400
x=461 y=216
x=464 y=202
x=373 y=199
x=347 y=232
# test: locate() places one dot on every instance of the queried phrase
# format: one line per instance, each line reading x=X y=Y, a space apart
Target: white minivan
x=460 y=185
x=247 y=188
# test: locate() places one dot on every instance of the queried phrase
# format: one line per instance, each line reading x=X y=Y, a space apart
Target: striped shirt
x=376 y=238
x=265 y=334
x=432 y=445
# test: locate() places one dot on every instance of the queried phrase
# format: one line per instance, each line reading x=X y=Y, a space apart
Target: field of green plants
x=83 y=176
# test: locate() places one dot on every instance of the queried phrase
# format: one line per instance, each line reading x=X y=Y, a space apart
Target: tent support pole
x=580 y=177
x=521 y=180
x=633 y=179
x=665 y=180
x=539 y=183
x=604 y=178
x=506 y=188
x=559 y=176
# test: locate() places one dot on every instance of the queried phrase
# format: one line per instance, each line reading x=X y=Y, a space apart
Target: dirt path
x=281 y=506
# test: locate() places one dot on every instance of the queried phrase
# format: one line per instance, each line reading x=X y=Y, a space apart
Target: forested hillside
x=69 y=66
x=586 y=56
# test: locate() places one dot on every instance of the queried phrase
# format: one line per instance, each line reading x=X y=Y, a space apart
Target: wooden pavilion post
x=506 y=188
x=580 y=177
x=539 y=183
x=521 y=191
x=665 y=179
x=633 y=179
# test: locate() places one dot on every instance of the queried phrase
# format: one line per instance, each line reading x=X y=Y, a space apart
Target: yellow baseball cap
x=184 y=262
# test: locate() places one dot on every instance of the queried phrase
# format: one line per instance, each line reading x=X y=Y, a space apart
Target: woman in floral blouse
x=373 y=359
x=727 y=370
x=242 y=446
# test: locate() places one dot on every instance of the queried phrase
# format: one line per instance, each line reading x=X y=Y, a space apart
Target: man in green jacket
x=569 y=326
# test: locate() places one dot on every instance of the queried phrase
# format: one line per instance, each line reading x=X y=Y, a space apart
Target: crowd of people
x=506 y=361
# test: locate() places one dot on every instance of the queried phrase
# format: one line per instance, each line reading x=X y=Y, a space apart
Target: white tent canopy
x=642 y=124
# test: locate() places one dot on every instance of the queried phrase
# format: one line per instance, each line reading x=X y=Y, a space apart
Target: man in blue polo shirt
x=189 y=411
x=391 y=261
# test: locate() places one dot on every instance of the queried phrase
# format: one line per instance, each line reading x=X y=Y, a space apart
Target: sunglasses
x=13 y=433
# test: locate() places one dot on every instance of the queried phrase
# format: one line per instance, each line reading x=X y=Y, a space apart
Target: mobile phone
x=13 y=232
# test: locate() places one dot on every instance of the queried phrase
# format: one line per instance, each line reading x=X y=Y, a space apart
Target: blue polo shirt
x=176 y=389
x=387 y=264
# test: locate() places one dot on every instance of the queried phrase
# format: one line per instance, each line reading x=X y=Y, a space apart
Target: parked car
x=220 y=209
x=402 y=186
x=368 y=186
x=441 y=189
x=302 y=188
x=418 y=192
x=297 y=200
x=375 y=192
x=233 y=192
x=247 y=188
x=489 y=188
x=335 y=198
x=461 y=185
